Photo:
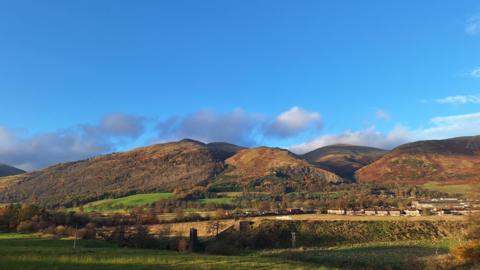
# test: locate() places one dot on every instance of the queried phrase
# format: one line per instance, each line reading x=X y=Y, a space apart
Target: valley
x=349 y=207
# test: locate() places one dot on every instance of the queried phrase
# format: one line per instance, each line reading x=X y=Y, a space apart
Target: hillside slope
x=455 y=160
x=6 y=170
x=155 y=168
x=343 y=159
x=265 y=166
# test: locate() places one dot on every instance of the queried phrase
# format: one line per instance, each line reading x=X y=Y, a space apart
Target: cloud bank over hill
x=29 y=152
x=120 y=131
x=438 y=128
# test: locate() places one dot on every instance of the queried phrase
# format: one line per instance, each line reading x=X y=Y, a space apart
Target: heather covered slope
x=155 y=168
x=265 y=162
x=343 y=159
x=450 y=161
x=6 y=170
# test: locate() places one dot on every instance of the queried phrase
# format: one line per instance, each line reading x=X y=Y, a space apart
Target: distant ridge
x=7 y=170
x=343 y=159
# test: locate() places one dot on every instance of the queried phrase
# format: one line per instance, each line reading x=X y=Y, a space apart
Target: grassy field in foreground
x=391 y=255
x=24 y=252
x=119 y=204
x=31 y=252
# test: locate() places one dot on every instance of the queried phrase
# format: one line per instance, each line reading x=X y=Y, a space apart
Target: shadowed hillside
x=222 y=150
x=6 y=170
x=343 y=159
x=455 y=160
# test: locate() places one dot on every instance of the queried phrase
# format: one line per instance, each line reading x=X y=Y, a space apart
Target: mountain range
x=222 y=166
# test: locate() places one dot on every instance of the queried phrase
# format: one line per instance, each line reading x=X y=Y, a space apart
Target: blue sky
x=81 y=78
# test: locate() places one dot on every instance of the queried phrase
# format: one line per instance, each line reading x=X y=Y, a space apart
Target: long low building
x=365 y=212
x=443 y=203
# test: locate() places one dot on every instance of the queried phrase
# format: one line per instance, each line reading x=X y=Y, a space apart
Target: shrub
x=25 y=227
x=59 y=230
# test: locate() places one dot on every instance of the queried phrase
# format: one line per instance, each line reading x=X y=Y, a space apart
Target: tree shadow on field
x=373 y=257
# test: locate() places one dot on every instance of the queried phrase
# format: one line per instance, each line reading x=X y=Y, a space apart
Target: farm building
x=461 y=212
x=382 y=213
x=359 y=212
x=336 y=211
x=412 y=212
x=370 y=212
x=394 y=213
x=442 y=203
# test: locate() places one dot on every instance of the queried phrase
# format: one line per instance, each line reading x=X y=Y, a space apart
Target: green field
x=390 y=255
x=225 y=200
x=32 y=252
x=128 y=202
x=26 y=252
x=451 y=189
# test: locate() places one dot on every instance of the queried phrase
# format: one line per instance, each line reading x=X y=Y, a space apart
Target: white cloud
x=383 y=115
x=475 y=73
x=292 y=122
x=459 y=100
x=473 y=25
x=368 y=137
x=37 y=151
x=451 y=126
x=29 y=152
x=238 y=126
x=438 y=128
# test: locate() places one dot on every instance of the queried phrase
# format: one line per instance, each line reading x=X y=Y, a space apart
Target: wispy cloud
x=472 y=26
x=460 y=99
x=475 y=73
x=382 y=115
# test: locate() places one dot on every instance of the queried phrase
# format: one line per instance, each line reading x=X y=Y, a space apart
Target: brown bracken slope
x=264 y=161
x=343 y=159
x=159 y=167
x=455 y=160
